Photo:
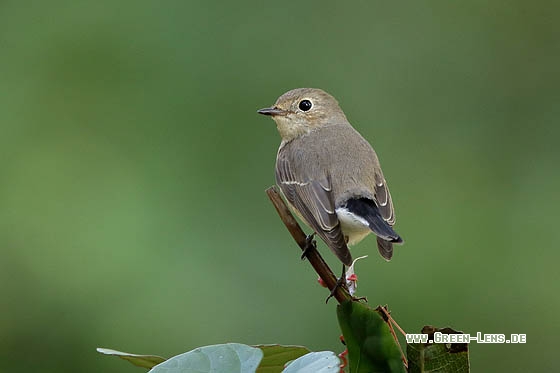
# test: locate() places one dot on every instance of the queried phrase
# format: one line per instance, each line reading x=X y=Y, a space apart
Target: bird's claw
x=341 y=282
x=359 y=299
x=310 y=244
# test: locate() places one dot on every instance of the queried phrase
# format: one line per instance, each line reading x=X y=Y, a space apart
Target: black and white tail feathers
x=386 y=236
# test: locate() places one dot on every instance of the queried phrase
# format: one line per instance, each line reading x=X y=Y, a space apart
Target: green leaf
x=371 y=346
x=438 y=357
x=276 y=357
x=229 y=357
x=315 y=362
x=144 y=361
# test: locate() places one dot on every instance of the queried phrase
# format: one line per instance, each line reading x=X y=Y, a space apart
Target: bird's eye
x=305 y=105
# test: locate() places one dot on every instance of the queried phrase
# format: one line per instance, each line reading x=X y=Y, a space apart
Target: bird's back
x=354 y=161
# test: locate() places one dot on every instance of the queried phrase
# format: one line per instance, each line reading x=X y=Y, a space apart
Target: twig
x=315 y=259
x=391 y=322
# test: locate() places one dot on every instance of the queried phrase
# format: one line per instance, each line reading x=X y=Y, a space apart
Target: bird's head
x=302 y=110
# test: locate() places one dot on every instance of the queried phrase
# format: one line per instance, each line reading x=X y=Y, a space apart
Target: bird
x=330 y=175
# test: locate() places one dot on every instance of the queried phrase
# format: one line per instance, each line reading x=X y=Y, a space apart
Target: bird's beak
x=272 y=111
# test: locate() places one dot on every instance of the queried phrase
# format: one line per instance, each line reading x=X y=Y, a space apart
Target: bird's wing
x=383 y=198
x=312 y=197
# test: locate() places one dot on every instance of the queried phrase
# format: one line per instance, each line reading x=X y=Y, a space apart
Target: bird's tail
x=386 y=236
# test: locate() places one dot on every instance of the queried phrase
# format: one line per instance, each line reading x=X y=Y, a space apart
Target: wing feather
x=383 y=199
x=312 y=197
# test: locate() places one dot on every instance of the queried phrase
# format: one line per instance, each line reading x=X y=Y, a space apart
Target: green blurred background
x=133 y=168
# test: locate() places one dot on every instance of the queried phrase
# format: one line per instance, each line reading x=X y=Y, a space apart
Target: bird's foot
x=359 y=299
x=341 y=282
x=310 y=244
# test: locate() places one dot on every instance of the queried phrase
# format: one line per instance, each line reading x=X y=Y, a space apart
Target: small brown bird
x=330 y=174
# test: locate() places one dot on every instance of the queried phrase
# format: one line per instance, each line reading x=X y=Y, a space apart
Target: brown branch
x=315 y=259
x=390 y=321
